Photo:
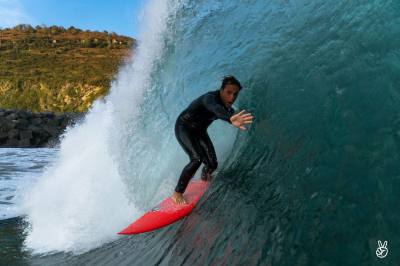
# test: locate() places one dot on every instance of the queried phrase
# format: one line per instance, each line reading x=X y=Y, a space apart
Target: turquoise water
x=315 y=180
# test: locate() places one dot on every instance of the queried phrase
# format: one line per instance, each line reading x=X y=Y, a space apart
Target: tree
x=73 y=30
x=24 y=28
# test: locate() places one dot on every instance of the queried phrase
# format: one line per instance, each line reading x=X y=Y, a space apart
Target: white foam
x=81 y=201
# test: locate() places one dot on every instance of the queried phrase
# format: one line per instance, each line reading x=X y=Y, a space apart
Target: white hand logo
x=382 y=251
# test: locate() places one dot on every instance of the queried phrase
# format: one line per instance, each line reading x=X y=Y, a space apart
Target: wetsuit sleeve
x=212 y=105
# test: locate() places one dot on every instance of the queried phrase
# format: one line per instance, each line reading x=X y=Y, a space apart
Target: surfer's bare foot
x=178 y=198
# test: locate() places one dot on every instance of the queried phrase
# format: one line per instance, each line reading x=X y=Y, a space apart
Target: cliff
x=57 y=69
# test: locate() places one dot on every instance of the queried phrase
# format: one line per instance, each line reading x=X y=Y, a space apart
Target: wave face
x=314 y=181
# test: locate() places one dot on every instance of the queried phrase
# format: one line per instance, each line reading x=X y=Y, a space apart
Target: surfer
x=191 y=130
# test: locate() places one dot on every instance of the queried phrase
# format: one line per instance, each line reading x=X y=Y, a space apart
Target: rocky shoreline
x=25 y=129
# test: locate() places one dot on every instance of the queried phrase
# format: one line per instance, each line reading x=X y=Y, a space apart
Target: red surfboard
x=167 y=211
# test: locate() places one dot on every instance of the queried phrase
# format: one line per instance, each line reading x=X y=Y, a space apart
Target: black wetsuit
x=191 y=132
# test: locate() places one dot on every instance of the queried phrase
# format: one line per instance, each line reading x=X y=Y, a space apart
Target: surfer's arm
x=213 y=106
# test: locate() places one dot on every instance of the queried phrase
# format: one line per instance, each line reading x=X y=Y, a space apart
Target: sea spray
x=81 y=202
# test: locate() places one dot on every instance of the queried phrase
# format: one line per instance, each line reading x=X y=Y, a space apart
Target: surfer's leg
x=189 y=141
x=209 y=157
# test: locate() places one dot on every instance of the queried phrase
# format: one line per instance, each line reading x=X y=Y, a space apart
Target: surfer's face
x=229 y=94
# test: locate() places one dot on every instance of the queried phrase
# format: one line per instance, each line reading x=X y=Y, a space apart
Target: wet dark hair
x=230 y=80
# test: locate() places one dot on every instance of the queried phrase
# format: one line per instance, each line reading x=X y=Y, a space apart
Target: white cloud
x=12 y=13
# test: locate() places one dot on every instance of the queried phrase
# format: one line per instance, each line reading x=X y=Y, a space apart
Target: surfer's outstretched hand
x=178 y=198
x=240 y=119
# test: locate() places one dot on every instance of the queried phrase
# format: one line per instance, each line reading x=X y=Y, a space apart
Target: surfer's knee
x=196 y=161
x=212 y=166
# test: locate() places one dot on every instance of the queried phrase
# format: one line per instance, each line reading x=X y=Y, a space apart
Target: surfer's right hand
x=240 y=119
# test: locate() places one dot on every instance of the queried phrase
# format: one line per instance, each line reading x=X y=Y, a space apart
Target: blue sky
x=120 y=16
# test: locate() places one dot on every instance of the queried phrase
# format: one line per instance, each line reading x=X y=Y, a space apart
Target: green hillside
x=57 y=69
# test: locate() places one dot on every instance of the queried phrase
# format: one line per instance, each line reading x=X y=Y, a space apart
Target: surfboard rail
x=167 y=212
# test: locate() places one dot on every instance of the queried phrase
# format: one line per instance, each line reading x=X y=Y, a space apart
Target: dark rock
x=3 y=136
x=37 y=121
x=12 y=116
x=66 y=122
x=34 y=129
x=51 y=130
x=22 y=123
x=13 y=124
x=21 y=113
x=60 y=119
x=12 y=143
x=26 y=134
x=13 y=134
x=52 y=122
x=24 y=143
x=35 y=142
x=20 y=128
x=48 y=114
x=37 y=115
x=41 y=134
x=4 y=123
